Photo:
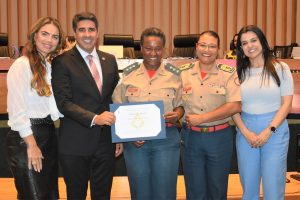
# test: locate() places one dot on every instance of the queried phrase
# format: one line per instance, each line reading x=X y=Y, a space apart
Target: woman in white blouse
x=31 y=142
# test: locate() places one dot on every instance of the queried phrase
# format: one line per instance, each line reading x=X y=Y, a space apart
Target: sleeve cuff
x=25 y=132
x=92 y=124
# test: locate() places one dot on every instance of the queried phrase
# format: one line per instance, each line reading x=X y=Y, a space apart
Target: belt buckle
x=204 y=129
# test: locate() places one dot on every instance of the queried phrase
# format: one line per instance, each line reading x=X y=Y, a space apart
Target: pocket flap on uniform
x=217 y=90
x=133 y=91
x=167 y=93
x=187 y=90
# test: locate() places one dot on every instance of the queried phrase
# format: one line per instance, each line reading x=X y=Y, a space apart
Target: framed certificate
x=138 y=121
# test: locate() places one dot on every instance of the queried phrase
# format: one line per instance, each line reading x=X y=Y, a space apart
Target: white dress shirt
x=96 y=60
x=23 y=102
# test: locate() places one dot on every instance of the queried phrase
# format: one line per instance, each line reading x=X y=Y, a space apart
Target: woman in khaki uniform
x=152 y=165
x=211 y=95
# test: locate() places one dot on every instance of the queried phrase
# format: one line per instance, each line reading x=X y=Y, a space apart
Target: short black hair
x=211 y=33
x=153 y=31
x=84 y=16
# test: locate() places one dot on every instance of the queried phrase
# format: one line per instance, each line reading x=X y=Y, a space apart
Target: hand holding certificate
x=138 y=121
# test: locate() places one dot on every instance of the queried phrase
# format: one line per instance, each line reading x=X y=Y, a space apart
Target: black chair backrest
x=137 y=49
x=3 y=39
x=184 y=45
x=115 y=39
x=4 y=51
x=71 y=38
x=137 y=45
x=283 y=51
x=185 y=40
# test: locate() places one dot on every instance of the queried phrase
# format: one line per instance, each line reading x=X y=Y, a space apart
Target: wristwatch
x=273 y=129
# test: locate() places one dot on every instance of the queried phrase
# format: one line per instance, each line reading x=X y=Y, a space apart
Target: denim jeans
x=206 y=159
x=152 y=169
x=267 y=163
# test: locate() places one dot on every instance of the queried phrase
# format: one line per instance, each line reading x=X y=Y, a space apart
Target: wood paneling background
x=279 y=19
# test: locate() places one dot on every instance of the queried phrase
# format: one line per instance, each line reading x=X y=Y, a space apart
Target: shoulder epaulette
x=226 y=68
x=186 y=66
x=131 y=68
x=171 y=68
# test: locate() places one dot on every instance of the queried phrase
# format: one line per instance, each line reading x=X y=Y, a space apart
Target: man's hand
x=105 y=118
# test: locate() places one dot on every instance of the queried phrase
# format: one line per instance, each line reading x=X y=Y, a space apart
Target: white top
x=258 y=97
x=23 y=102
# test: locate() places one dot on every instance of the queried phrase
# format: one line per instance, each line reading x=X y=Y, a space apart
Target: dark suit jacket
x=79 y=100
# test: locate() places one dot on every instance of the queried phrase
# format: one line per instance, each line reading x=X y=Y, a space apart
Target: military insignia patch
x=172 y=69
x=226 y=68
x=186 y=66
x=131 y=68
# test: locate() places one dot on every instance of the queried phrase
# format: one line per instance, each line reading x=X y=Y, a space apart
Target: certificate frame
x=156 y=127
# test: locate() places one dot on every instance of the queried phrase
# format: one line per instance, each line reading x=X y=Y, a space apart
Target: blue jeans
x=206 y=159
x=267 y=162
x=152 y=169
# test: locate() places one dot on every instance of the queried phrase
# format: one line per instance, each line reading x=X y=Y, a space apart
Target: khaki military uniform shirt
x=219 y=86
x=137 y=86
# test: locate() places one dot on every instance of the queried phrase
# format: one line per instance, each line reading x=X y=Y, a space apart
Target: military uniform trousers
x=206 y=159
x=153 y=168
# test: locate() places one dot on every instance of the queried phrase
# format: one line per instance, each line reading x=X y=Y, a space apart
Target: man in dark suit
x=83 y=81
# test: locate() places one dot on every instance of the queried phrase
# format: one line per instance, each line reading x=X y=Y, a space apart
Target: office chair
x=184 y=45
x=283 y=52
x=3 y=39
x=137 y=49
x=4 y=50
x=297 y=176
x=125 y=40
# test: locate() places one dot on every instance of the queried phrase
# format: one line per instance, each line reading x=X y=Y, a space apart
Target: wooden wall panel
x=195 y=16
x=62 y=15
x=297 y=31
x=279 y=19
x=3 y=16
x=22 y=27
x=12 y=22
x=203 y=8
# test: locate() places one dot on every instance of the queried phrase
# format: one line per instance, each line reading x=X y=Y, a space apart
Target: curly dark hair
x=152 y=31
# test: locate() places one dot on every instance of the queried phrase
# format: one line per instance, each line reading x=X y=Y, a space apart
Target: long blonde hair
x=37 y=61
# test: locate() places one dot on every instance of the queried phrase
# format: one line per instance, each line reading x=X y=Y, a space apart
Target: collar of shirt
x=196 y=69
x=84 y=54
x=96 y=59
x=142 y=70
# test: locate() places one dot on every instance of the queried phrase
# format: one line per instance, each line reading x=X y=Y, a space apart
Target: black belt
x=46 y=120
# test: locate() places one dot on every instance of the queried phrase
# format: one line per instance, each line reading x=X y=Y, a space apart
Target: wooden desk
x=5 y=64
x=296 y=98
x=294 y=65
